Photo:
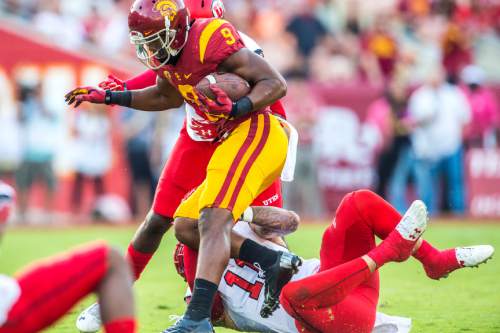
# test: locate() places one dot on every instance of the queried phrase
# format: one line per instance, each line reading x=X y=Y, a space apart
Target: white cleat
x=473 y=256
x=414 y=222
x=89 y=321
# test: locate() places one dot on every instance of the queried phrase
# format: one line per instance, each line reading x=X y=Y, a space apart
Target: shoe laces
x=261 y=274
x=175 y=318
x=176 y=328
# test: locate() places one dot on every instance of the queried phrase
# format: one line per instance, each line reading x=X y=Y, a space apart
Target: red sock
x=138 y=260
x=122 y=325
x=326 y=288
x=437 y=264
x=393 y=248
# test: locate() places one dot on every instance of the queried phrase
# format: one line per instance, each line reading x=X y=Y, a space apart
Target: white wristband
x=248 y=215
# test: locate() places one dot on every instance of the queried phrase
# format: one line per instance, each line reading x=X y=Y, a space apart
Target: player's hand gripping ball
x=113 y=83
x=220 y=106
x=218 y=91
x=85 y=94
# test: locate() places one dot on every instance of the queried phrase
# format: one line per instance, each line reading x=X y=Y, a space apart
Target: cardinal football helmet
x=159 y=30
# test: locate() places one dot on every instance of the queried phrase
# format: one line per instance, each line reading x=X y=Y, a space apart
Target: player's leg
x=186 y=229
x=270 y=197
x=51 y=287
x=333 y=299
x=115 y=296
x=184 y=170
x=241 y=168
x=381 y=217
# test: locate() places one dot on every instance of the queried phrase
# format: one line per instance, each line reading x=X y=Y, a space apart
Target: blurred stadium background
x=400 y=96
x=353 y=68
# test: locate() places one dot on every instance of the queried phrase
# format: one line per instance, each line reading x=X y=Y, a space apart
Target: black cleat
x=276 y=277
x=185 y=325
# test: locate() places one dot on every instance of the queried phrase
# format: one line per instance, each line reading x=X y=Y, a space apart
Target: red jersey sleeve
x=141 y=81
x=218 y=40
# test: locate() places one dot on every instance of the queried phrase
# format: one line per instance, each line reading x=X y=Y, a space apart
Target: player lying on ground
x=43 y=292
x=253 y=143
x=345 y=287
x=319 y=291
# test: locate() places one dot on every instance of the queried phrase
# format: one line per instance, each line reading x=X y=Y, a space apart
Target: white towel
x=288 y=171
x=391 y=324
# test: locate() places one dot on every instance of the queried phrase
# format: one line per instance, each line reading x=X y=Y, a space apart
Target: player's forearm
x=274 y=221
x=266 y=92
x=150 y=99
x=268 y=85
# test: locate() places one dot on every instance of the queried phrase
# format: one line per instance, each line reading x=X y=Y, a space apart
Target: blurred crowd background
x=387 y=94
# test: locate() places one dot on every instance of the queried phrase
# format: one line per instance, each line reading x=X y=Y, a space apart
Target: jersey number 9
x=228 y=36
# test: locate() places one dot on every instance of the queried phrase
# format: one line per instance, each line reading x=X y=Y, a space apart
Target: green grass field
x=468 y=301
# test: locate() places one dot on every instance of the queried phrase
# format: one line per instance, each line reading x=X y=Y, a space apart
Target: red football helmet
x=159 y=30
x=206 y=8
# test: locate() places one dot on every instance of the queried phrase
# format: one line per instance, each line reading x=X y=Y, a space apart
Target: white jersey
x=9 y=294
x=193 y=120
x=242 y=293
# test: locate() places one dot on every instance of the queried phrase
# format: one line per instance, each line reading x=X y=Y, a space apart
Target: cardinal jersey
x=195 y=124
x=210 y=42
x=242 y=291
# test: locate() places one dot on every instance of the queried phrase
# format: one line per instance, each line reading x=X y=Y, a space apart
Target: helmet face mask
x=154 y=51
x=156 y=34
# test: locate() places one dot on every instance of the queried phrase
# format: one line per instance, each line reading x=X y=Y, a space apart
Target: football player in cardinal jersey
x=43 y=292
x=253 y=144
x=186 y=166
x=339 y=292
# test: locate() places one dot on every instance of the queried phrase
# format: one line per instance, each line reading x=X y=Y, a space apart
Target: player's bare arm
x=270 y=223
x=273 y=222
x=160 y=97
x=156 y=98
x=268 y=85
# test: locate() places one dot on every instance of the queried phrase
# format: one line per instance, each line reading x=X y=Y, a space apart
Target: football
x=234 y=86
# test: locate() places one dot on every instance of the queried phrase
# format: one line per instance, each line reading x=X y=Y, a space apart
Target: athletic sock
x=202 y=300
x=122 y=325
x=436 y=263
x=393 y=248
x=138 y=260
x=252 y=252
